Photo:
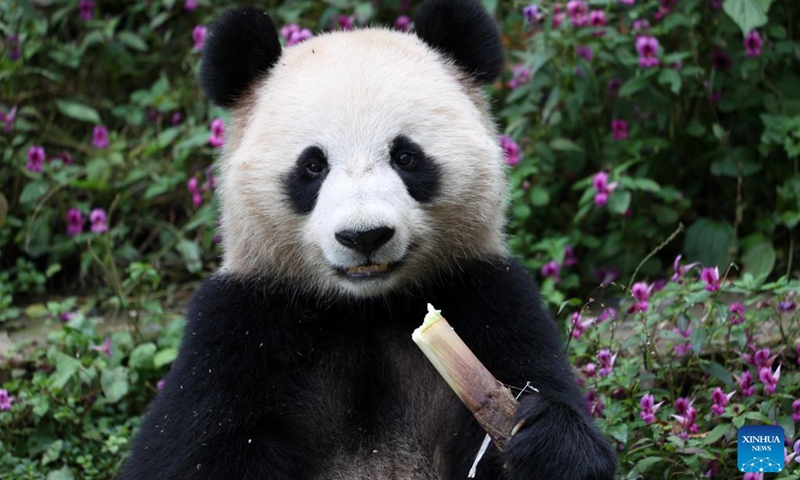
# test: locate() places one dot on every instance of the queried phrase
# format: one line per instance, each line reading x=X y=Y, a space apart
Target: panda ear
x=463 y=30
x=241 y=46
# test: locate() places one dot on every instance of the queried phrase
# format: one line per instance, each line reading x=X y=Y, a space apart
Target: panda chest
x=386 y=404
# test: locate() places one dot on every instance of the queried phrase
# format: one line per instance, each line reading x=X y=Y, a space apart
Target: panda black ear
x=241 y=46
x=463 y=30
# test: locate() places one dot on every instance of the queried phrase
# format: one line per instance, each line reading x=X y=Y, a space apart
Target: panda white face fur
x=359 y=163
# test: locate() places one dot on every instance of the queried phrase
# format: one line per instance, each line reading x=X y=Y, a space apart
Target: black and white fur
x=371 y=147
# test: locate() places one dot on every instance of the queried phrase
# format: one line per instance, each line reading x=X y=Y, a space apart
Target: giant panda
x=363 y=180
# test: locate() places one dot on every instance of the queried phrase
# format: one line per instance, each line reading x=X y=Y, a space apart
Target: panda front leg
x=229 y=407
x=499 y=315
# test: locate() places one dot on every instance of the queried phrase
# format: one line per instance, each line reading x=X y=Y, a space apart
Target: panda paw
x=554 y=441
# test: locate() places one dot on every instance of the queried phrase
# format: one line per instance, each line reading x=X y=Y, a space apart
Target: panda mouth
x=369 y=270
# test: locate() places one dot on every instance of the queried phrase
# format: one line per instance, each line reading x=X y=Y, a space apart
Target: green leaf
x=707 y=241
x=3 y=209
x=132 y=41
x=66 y=368
x=64 y=473
x=759 y=259
x=565 y=145
x=539 y=196
x=190 y=252
x=748 y=14
x=53 y=451
x=33 y=191
x=633 y=85
x=671 y=77
x=165 y=357
x=646 y=463
x=115 y=383
x=698 y=339
x=718 y=371
x=142 y=356
x=78 y=111
x=619 y=201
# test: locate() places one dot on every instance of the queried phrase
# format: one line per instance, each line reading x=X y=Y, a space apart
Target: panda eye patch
x=419 y=171
x=313 y=163
x=303 y=182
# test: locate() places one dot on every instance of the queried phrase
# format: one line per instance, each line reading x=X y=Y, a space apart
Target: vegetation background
x=652 y=147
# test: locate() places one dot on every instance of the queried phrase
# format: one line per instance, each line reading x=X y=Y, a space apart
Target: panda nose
x=367 y=241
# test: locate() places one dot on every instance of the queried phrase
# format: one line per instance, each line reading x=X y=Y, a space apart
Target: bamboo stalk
x=490 y=401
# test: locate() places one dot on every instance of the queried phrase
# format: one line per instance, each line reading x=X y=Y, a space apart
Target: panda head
x=360 y=162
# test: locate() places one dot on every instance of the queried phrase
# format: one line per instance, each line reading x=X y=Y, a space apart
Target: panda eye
x=404 y=159
x=315 y=168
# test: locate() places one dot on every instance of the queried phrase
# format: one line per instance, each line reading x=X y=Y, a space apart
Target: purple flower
x=594 y=403
x=640 y=292
x=619 y=129
x=711 y=277
x=786 y=306
x=211 y=180
x=752 y=44
x=647 y=47
x=579 y=325
x=753 y=476
x=294 y=34
x=577 y=10
x=74 y=222
x=5 y=400
x=104 y=348
x=510 y=150
x=98 y=219
x=796 y=411
x=520 y=74
x=552 y=269
x=627 y=2
x=649 y=408
x=602 y=187
x=14 y=52
x=745 y=383
x=716 y=4
x=36 y=158
x=770 y=379
x=760 y=358
x=606 y=362
x=403 y=23
x=613 y=87
x=176 y=119
x=686 y=415
x=217 y=137
x=736 y=313
x=160 y=385
x=585 y=52
x=609 y=313
x=597 y=18
x=569 y=256
x=720 y=399
x=680 y=271
x=100 y=136
x=8 y=118
x=345 y=22
x=531 y=12
x=199 y=37
x=194 y=188
x=190 y=5
x=796 y=448
x=642 y=24
x=86 y=9
x=590 y=369
x=720 y=60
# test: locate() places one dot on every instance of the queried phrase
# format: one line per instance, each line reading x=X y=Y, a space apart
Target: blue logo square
x=760 y=448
